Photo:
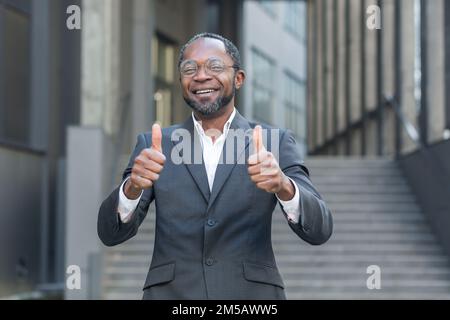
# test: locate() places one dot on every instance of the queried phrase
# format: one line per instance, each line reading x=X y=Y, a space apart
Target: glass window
x=263 y=71
x=14 y=74
x=163 y=59
x=269 y=6
x=295 y=18
x=295 y=105
x=163 y=66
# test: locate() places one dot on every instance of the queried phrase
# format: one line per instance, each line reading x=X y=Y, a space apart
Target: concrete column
x=89 y=148
x=100 y=66
x=436 y=70
x=408 y=52
x=142 y=84
x=40 y=76
x=87 y=152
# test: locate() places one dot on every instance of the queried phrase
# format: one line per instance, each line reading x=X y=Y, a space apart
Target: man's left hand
x=265 y=172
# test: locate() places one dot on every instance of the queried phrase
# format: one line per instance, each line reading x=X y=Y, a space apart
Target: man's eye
x=189 y=70
x=216 y=67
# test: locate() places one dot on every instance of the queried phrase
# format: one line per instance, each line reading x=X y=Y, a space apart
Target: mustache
x=207 y=109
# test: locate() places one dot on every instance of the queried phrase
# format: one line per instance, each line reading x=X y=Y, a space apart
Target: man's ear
x=239 y=79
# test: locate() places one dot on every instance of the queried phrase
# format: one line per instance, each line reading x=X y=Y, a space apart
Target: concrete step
x=381 y=227
x=364 y=235
x=390 y=258
x=326 y=271
x=369 y=217
x=363 y=198
x=393 y=284
x=329 y=284
x=357 y=180
x=403 y=207
x=361 y=249
x=351 y=172
x=355 y=172
x=136 y=262
x=336 y=257
x=366 y=295
x=370 y=295
x=349 y=225
x=117 y=295
x=349 y=162
x=292 y=248
x=361 y=277
x=363 y=188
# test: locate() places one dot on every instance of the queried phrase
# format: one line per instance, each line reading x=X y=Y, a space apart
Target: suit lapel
x=195 y=168
x=224 y=170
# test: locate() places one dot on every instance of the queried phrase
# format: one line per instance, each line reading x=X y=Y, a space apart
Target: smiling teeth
x=204 y=91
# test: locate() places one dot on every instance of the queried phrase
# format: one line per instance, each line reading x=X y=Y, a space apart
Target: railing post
x=423 y=116
x=398 y=76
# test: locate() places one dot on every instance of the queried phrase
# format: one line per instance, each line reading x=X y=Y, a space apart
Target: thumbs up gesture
x=147 y=166
x=265 y=172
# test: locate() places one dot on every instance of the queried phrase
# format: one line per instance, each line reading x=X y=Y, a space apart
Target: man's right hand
x=147 y=166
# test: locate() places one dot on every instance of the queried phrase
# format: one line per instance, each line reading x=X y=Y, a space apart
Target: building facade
x=39 y=98
x=274 y=48
x=384 y=92
x=356 y=73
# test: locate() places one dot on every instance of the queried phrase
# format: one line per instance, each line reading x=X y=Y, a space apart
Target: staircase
x=376 y=222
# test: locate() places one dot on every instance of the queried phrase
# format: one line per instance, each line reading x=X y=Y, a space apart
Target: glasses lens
x=188 y=68
x=215 y=66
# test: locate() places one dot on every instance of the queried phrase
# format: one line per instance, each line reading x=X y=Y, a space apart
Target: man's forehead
x=203 y=48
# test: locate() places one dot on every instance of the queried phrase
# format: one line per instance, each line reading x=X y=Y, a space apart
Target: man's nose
x=201 y=74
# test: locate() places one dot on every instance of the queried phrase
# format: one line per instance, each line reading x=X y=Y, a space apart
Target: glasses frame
x=207 y=69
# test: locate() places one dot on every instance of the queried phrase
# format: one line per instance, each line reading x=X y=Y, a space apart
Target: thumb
x=156 y=137
x=258 y=139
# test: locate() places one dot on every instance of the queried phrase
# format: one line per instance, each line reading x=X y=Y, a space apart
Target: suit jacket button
x=209 y=261
x=211 y=222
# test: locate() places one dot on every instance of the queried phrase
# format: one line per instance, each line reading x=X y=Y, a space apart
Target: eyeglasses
x=213 y=67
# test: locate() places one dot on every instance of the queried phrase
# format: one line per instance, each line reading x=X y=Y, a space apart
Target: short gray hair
x=230 y=48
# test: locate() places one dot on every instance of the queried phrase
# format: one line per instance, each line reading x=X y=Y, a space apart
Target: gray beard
x=210 y=108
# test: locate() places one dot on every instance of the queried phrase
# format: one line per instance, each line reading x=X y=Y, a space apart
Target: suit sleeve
x=315 y=225
x=111 y=230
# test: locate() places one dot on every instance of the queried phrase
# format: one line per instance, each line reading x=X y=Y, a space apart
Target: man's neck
x=216 y=122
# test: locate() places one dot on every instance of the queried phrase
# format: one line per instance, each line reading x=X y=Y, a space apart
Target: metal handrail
x=440 y=173
x=410 y=129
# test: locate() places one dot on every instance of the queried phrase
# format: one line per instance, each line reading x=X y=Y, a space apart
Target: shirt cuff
x=292 y=207
x=126 y=206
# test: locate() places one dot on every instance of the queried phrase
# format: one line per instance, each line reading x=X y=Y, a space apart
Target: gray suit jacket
x=215 y=245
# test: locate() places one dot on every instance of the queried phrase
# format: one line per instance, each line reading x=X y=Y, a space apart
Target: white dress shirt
x=211 y=156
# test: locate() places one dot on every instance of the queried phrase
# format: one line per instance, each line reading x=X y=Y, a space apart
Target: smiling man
x=213 y=217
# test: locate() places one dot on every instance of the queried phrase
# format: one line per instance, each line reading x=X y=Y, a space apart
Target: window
x=163 y=66
x=14 y=72
x=295 y=106
x=268 y=6
x=263 y=73
x=296 y=19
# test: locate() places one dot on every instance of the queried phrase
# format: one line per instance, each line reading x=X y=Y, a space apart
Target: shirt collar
x=226 y=127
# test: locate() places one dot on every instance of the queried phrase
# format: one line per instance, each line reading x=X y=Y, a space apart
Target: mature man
x=213 y=214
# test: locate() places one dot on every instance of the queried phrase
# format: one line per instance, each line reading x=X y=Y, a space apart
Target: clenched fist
x=147 y=166
x=265 y=172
